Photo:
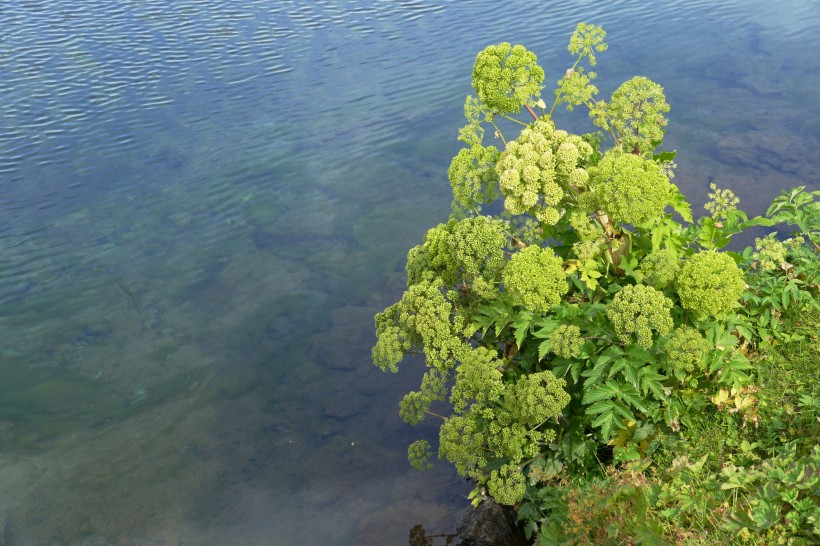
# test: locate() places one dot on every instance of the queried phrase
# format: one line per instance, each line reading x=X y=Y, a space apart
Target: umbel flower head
x=638 y=310
x=505 y=77
x=636 y=111
x=721 y=202
x=533 y=167
x=769 y=252
x=535 y=278
x=686 y=349
x=709 y=284
x=660 y=267
x=566 y=341
x=629 y=188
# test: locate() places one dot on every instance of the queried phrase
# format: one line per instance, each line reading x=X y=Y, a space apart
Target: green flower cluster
x=420 y=320
x=709 y=284
x=506 y=485
x=461 y=441
x=639 y=309
x=473 y=178
x=566 y=341
x=636 y=112
x=629 y=188
x=478 y=380
x=419 y=453
x=505 y=77
x=660 y=267
x=586 y=40
x=576 y=88
x=686 y=349
x=769 y=252
x=721 y=202
x=467 y=252
x=533 y=168
x=535 y=278
x=494 y=421
x=415 y=404
x=535 y=398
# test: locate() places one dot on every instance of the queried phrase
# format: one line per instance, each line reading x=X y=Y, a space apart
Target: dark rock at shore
x=489 y=525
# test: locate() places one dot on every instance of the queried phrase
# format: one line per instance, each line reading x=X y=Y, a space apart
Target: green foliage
x=595 y=320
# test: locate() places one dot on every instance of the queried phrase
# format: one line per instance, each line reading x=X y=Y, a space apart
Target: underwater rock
x=758 y=149
x=489 y=525
x=346 y=344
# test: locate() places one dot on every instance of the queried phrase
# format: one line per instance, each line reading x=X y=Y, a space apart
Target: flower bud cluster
x=466 y=252
x=686 y=349
x=638 y=310
x=536 y=397
x=506 y=485
x=473 y=178
x=721 y=202
x=630 y=189
x=505 y=77
x=566 y=341
x=636 y=112
x=769 y=252
x=535 y=278
x=660 y=267
x=533 y=168
x=709 y=284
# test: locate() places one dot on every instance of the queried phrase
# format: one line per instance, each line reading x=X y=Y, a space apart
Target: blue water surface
x=203 y=203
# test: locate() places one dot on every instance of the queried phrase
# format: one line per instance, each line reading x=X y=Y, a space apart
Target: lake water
x=203 y=203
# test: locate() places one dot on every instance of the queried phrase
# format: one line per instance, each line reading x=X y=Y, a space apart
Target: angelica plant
x=590 y=317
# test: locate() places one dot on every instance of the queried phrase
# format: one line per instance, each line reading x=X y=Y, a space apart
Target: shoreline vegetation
x=597 y=358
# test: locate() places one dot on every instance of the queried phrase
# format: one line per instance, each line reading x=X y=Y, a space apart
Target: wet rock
x=489 y=525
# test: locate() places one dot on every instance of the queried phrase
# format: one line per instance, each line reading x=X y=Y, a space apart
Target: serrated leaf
x=606 y=422
x=650 y=381
x=619 y=365
x=623 y=411
x=546 y=330
x=608 y=390
x=638 y=354
x=602 y=406
x=632 y=373
x=543 y=349
x=629 y=394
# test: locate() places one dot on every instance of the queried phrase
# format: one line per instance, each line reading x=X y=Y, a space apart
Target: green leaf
x=757 y=221
x=629 y=394
x=543 y=349
x=638 y=355
x=608 y=390
x=602 y=406
x=623 y=411
x=650 y=381
x=521 y=323
x=606 y=422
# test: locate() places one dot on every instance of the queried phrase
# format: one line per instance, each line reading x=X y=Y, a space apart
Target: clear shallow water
x=203 y=205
